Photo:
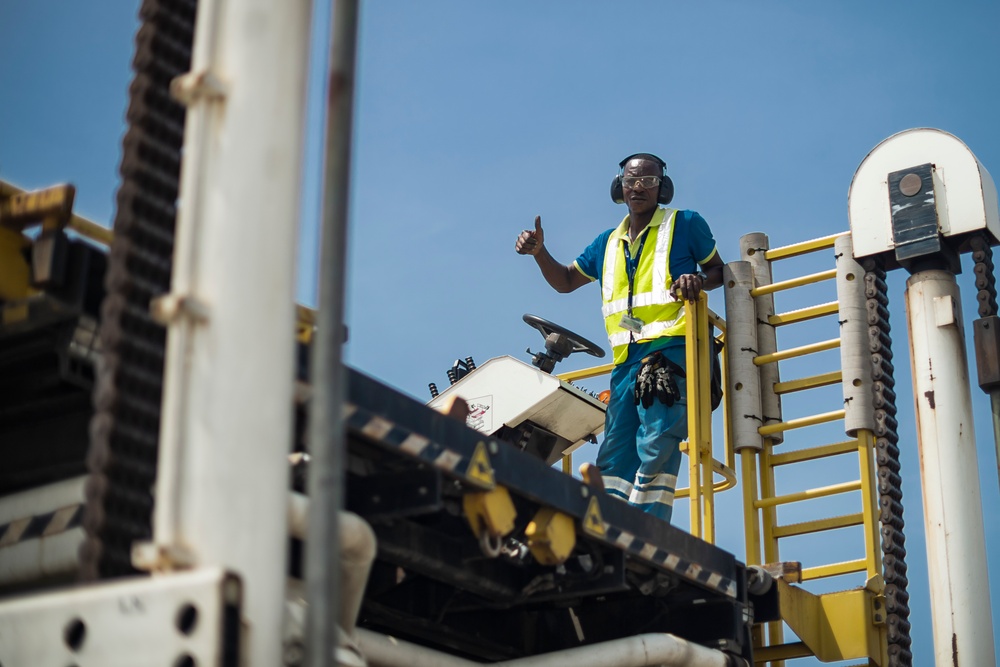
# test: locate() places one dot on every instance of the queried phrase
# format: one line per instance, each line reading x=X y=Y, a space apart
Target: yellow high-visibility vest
x=662 y=314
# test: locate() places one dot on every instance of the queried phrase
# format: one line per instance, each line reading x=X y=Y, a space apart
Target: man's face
x=638 y=197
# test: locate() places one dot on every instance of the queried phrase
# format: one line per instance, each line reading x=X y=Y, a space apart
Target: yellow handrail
x=702 y=466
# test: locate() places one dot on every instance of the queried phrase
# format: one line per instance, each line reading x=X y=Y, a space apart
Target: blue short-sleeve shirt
x=693 y=245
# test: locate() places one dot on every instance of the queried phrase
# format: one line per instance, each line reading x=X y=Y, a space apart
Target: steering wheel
x=578 y=342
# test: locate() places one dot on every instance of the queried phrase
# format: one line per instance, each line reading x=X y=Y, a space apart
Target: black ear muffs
x=666 y=192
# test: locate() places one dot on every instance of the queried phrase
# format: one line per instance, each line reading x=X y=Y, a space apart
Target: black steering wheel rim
x=580 y=344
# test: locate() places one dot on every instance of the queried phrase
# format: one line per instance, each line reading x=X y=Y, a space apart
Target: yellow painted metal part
x=817 y=525
x=88 y=229
x=790 y=353
x=814 y=453
x=51 y=207
x=833 y=569
x=305 y=324
x=869 y=501
x=551 y=536
x=593 y=521
x=728 y=481
x=794 y=282
x=479 y=469
x=701 y=491
x=751 y=515
x=585 y=373
x=801 y=422
x=835 y=626
x=21 y=202
x=14 y=269
x=803 y=248
x=768 y=520
x=804 y=314
x=491 y=512
x=821 y=492
x=811 y=382
x=702 y=467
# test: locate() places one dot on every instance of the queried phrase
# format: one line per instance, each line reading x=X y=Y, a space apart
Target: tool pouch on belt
x=655 y=381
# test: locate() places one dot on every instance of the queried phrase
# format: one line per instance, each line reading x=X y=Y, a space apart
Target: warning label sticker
x=480 y=414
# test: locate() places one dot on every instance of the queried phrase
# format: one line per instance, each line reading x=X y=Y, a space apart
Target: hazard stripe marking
x=385 y=431
x=379 y=428
x=628 y=542
x=41 y=525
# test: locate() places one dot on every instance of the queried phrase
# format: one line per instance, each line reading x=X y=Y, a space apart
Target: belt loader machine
x=137 y=532
x=483 y=550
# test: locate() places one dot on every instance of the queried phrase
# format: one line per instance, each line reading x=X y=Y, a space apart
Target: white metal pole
x=326 y=430
x=222 y=483
x=949 y=471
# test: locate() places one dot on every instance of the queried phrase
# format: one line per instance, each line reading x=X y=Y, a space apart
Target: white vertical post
x=753 y=248
x=949 y=471
x=222 y=486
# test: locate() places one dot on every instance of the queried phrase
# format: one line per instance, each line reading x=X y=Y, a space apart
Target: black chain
x=986 y=281
x=887 y=456
x=124 y=432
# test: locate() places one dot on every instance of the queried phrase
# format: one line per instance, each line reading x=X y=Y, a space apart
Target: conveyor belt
x=629 y=569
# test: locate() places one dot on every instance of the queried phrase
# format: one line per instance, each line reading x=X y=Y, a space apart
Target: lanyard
x=632 y=266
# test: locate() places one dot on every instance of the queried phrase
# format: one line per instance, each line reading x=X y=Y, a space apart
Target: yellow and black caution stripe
x=670 y=562
x=41 y=525
x=474 y=470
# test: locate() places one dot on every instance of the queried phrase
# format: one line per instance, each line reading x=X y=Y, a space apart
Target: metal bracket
x=153 y=557
x=191 y=618
x=189 y=88
x=168 y=308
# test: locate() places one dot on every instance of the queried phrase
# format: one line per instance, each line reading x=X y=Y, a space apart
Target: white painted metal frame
x=969 y=204
x=150 y=621
x=222 y=483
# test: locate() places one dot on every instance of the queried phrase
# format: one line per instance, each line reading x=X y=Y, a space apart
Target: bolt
x=584 y=491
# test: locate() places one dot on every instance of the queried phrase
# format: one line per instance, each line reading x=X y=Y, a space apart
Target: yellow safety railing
x=849 y=634
x=707 y=474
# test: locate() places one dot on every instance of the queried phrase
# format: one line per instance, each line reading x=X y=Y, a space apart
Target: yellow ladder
x=832 y=626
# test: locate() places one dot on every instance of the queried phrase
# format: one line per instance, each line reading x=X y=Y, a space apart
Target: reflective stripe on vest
x=652 y=301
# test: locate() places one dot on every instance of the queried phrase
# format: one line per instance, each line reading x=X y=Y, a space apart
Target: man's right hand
x=529 y=242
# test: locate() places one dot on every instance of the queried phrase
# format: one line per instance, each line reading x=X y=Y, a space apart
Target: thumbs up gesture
x=529 y=242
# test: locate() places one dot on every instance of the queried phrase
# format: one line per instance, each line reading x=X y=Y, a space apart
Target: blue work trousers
x=640 y=455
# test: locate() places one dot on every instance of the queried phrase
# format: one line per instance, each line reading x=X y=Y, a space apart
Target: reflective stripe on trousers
x=640 y=455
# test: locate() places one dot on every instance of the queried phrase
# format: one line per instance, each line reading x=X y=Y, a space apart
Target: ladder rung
x=792 y=352
x=801 y=422
x=814 y=453
x=848 y=567
x=809 y=494
x=794 y=282
x=803 y=248
x=803 y=314
x=811 y=382
x=819 y=525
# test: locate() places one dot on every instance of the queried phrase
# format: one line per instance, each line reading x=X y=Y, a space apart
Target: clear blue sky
x=472 y=118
